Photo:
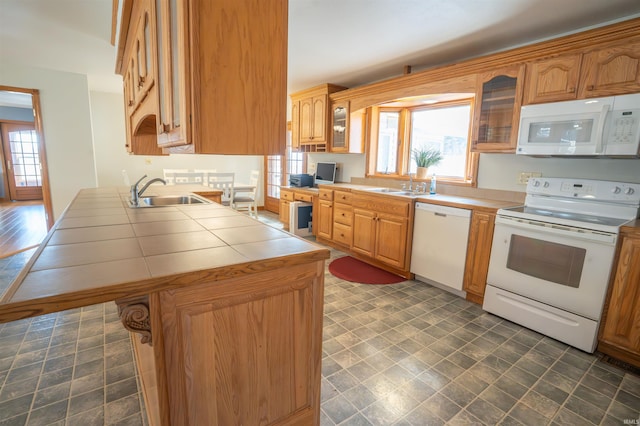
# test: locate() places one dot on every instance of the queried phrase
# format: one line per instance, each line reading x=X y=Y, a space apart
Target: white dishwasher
x=440 y=236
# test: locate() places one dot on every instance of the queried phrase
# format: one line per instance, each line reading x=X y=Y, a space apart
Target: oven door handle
x=559 y=230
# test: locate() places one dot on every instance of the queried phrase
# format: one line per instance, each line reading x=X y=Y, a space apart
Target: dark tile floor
x=403 y=354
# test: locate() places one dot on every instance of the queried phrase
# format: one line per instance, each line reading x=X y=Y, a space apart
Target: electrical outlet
x=523 y=177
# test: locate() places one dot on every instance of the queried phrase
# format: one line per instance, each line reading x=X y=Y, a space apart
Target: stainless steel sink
x=386 y=190
x=169 y=200
x=393 y=191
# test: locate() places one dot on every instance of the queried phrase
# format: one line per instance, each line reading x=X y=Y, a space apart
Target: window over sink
x=403 y=126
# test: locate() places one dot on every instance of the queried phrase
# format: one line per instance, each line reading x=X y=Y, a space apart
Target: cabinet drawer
x=303 y=197
x=383 y=205
x=326 y=194
x=342 y=197
x=342 y=234
x=286 y=195
x=343 y=214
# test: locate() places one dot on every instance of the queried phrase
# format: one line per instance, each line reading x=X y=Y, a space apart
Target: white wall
x=64 y=102
x=348 y=165
x=500 y=171
x=112 y=158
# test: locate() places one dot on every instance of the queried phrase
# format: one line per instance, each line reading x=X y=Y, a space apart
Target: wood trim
x=114 y=21
x=127 y=7
x=396 y=87
x=619 y=353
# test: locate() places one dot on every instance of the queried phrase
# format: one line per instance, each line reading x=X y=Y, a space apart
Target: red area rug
x=353 y=270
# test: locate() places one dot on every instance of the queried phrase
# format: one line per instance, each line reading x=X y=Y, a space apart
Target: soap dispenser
x=432 y=188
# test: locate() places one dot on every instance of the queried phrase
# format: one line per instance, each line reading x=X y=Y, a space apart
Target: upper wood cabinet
x=221 y=77
x=604 y=71
x=497 y=109
x=340 y=126
x=611 y=70
x=552 y=80
x=347 y=129
x=139 y=78
x=174 y=111
x=311 y=118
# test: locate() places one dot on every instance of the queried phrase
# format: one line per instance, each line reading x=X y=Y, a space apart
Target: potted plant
x=424 y=159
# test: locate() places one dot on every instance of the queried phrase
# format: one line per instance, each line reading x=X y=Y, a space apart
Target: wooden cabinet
x=244 y=350
x=174 y=78
x=221 y=82
x=347 y=129
x=340 y=126
x=478 y=251
x=342 y=218
x=324 y=215
x=324 y=218
x=286 y=196
x=497 y=112
x=611 y=70
x=552 y=80
x=139 y=80
x=310 y=118
x=603 y=71
x=381 y=227
x=620 y=332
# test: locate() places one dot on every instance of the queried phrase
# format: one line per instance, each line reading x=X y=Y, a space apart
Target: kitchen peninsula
x=226 y=311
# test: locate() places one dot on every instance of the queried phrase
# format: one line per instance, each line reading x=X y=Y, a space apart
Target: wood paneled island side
x=226 y=311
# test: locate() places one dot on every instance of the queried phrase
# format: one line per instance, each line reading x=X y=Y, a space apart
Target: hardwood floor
x=22 y=226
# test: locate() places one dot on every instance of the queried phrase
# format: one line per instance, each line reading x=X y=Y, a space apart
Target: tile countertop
x=101 y=250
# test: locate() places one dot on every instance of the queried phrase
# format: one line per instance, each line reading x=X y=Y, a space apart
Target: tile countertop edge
x=12 y=311
x=54 y=302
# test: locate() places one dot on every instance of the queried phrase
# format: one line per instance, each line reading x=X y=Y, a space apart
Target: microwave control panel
x=625 y=127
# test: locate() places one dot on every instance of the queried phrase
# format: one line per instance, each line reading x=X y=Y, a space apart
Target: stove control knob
x=616 y=190
x=546 y=184
x=629 y=191
x=536 y=183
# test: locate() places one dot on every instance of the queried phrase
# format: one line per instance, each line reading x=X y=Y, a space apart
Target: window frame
x=404 y=144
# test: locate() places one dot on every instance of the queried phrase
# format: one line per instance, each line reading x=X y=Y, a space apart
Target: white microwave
x=608 y=126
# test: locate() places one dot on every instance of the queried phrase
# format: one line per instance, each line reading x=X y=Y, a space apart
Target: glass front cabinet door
x=340 y=127
x=497 y=110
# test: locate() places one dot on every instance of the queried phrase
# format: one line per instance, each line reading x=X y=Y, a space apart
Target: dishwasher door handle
x=440 y=214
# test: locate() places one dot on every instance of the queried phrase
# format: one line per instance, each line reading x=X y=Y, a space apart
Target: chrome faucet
x=136 y=194
x=410 y=188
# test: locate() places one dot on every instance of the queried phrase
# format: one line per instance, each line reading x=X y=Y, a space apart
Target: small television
x=325 y=173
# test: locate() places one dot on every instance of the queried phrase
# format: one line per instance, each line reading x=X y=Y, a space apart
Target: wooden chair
x=247 y=200
x=169 y=175
x=189 y=178
x=224 y=182
x=205 y=173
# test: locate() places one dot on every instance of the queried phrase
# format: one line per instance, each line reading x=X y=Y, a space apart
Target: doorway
x=22 y=160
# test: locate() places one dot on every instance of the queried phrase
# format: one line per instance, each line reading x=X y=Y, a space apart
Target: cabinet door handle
x=572 y=89
x=590 y=87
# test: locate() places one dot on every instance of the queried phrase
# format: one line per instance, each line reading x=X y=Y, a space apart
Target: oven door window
x=558 y=263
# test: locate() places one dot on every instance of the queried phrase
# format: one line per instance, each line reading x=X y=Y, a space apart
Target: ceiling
x=345 y=42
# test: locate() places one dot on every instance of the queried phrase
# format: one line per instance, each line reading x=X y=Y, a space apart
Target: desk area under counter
x=186 y=278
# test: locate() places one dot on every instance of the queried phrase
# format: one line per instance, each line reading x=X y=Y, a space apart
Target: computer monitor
x=325 y=173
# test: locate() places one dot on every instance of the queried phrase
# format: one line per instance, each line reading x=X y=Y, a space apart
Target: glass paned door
x=20 y=145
